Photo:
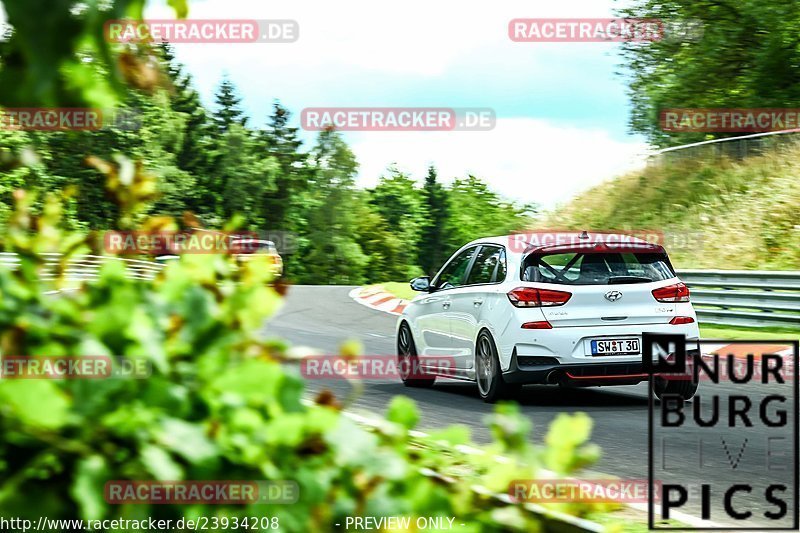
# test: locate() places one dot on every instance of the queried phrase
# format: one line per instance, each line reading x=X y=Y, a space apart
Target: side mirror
x=421 y=284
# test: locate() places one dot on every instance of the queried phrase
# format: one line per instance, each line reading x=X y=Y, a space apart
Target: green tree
x=283 y=144
x=245 y=176
x=481 y=213
x=196 y=151
x=229 y=110
x=380 y=245
x=400 y=204
x=332 y=253
x=433 y=246
x=20 y=167
x=743 y=54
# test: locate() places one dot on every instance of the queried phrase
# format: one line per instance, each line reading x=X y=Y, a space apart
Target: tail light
x=542 y=324
x=672 y=293
x=530 y=297
x=681 y=320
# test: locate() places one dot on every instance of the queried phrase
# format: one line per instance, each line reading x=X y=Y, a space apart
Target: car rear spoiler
x=598 y=247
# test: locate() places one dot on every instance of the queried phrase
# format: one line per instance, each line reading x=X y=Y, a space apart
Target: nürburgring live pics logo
x=729 y=455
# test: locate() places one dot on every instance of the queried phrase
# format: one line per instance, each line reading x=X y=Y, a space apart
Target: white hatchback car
x=504 y=313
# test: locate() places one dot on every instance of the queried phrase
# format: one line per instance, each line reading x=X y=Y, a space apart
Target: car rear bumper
x=543 y=370
x=571 y=345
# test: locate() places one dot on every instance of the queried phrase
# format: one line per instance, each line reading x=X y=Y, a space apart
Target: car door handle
x=477 y=301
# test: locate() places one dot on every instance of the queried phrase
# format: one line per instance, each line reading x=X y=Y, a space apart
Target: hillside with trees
x=217 y=163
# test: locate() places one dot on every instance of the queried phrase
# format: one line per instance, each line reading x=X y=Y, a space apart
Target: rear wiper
x=615 y=280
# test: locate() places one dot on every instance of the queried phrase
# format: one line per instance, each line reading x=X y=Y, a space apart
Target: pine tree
x=172 y=67
x=292 y=179
x=433 y=243
x=229 y=109
x=196 y=153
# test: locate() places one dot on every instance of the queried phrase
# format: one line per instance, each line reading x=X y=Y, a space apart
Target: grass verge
x=401 y=290
x=737 y=333
x=713 y=212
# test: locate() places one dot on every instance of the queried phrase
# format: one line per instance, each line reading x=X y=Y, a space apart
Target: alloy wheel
x=484 y=366
x=404 y=358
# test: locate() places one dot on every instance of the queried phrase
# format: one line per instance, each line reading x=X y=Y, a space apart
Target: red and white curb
x=740 y=350
x=376 y=298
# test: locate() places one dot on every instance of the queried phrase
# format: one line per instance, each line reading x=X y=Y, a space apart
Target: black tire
x=488 y=376
x=407 y=362
x=685 y=388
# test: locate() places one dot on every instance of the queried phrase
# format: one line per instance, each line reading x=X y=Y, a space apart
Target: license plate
x=616 y=347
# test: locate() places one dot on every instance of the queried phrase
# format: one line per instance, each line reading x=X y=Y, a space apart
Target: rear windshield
x=594 y=268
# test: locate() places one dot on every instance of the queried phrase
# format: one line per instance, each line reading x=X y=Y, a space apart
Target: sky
x=562 y=109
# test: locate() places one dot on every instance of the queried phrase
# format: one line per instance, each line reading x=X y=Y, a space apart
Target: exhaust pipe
x=552 y=377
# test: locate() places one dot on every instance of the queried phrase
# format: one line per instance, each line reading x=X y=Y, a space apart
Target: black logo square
x=664 y=346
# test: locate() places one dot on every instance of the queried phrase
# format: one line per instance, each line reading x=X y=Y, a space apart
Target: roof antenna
x=584 y=235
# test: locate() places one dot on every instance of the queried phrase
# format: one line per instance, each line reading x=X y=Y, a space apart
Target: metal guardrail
x=84 y=267
x=745 y=297
x=736 y=148
x=724 y=297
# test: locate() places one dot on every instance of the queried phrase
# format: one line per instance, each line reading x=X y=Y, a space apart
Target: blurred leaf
x=403 y=410
x=88 y=487
x=254 y=381
x=181 y=8
x=37 y=402
x=187 y=439
x=159 y=463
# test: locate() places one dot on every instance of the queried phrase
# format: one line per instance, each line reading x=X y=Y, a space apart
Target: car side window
x=455 y=272
x=486 y=264
x=500 y=274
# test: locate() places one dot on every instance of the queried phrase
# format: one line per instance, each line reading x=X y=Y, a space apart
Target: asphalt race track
x=323 y=317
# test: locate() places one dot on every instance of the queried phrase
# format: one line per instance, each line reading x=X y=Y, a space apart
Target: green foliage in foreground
x=220 y=404
x=714 y=213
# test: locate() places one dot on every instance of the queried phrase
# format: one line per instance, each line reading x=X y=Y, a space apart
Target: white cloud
x=438 y=53
x=420 y=37
x=527 y=160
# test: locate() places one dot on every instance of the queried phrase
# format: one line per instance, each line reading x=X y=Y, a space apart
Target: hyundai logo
x=613 y=296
